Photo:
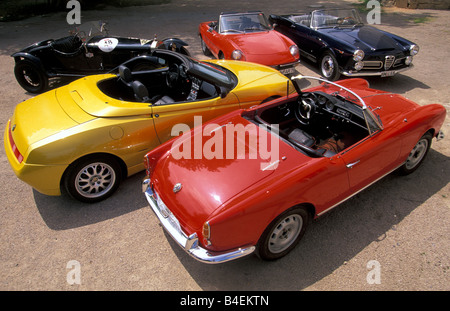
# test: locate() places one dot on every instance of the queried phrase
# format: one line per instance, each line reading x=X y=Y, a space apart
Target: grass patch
x=361 y=6
x=420 y=20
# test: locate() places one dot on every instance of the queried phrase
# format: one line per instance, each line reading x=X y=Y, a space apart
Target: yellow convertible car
x=85 y=137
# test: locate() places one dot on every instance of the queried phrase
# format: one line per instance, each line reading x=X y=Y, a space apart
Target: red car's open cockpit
x=319 y=123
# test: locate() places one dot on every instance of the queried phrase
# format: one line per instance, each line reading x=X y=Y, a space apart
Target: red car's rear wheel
x=283 y=234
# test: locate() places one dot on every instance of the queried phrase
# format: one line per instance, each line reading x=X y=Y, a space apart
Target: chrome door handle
x=350 y=165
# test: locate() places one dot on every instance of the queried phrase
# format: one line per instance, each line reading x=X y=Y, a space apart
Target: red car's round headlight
x=237 y=55
x=294 y=50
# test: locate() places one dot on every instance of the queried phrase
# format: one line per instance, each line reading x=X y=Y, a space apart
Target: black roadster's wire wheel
x=30 y=77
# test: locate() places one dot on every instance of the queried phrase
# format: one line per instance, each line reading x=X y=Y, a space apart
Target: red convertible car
x=267 y=171
x=248 y=37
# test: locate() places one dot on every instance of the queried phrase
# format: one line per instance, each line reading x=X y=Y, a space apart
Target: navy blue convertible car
x=340 y=43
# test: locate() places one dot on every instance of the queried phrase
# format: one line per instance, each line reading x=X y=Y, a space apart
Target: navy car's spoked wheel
x=93 y=180
x=30 y=77
x=283 y=234
x=417 y=155
x=329 y=67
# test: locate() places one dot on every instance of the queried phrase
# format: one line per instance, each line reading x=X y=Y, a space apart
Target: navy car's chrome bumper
x=387 y=73
x=188 y=243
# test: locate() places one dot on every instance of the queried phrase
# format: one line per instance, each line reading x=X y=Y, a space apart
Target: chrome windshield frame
x=367 y=113
x=325 y=12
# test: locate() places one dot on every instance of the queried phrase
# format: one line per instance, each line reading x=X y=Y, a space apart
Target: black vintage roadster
x=341 y=44
x=88 y=50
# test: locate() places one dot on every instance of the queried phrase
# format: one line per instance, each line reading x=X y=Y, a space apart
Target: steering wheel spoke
x=173 y=76
x=306 y=107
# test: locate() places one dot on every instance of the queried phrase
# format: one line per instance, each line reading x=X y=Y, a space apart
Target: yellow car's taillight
x=16 y=151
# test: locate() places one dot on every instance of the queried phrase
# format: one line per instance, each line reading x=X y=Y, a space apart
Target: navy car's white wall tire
x=283 y=234
x=417 y=155
x=93 y=179
x=30 y=77
x=329 y=67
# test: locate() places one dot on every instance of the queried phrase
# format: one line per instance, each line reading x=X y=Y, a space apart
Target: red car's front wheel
x=205 y=49
x=417 y=155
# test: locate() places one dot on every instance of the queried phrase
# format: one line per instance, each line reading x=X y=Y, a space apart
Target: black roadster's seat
x=67 y=45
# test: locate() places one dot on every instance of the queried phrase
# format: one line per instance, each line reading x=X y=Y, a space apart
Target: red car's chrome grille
x=16 y=151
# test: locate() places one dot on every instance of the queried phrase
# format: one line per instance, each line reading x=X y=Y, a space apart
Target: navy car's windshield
x=243 y=22
x=335 y=18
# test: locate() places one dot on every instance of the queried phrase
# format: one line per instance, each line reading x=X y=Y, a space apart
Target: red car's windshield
x=245 y=22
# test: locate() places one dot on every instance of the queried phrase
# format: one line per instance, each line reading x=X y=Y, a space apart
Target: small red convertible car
x=248 y=37
x=266 y=172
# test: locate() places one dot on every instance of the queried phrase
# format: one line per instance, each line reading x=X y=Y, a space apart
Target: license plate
x=387 y=73
x=287 y=71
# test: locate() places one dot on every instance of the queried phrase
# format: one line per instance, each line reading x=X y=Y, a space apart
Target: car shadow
x=400 y=83
x=62 y=212
x=332 y=240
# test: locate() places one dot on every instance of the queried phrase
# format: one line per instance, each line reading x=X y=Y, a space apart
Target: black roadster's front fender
x=42 y=45
x=19 y=56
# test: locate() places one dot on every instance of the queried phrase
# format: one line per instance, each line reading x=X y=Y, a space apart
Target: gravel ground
x=402 y=223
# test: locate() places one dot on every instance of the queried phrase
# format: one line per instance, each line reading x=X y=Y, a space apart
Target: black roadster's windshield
x=335 y=18
x=243 y=22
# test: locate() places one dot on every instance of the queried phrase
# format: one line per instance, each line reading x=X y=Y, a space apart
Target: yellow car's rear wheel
x=93 y=179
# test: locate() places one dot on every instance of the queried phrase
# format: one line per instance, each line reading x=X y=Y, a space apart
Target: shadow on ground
x=331 y=240
x=63 y=213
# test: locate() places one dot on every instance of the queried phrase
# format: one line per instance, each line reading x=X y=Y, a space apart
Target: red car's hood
x=267 y=48
x=383 y=107
x=206 y=184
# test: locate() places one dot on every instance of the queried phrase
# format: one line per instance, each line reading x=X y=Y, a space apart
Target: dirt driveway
x=403 y=223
